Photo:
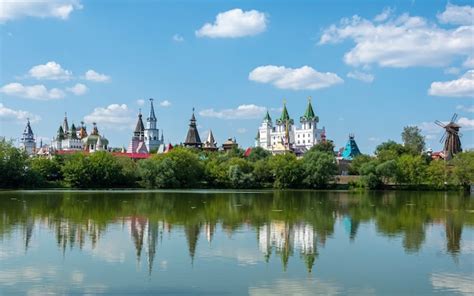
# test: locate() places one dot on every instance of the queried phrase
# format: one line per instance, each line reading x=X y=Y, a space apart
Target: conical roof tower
x=351 y=150
x=192 y=138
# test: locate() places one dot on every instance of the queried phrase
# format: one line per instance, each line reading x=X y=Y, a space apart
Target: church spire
x=139 y=128
x=65 y=124
x=309 y=114
x=192 y=138
x=152 y=116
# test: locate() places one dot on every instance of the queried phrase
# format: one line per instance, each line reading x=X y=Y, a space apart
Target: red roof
x=247 y=152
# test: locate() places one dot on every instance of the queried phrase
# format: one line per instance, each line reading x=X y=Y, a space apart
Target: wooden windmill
x=451 y=137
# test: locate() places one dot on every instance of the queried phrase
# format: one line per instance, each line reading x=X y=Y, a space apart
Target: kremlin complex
x=278 y=137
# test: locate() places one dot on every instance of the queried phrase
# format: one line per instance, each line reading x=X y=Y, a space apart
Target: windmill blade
x=455 y=116
x=440 y=123
x=442 y=138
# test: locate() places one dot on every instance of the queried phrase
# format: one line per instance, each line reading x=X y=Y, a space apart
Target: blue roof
x=351 y=150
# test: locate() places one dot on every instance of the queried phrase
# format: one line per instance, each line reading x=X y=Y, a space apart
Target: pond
x=236 y=243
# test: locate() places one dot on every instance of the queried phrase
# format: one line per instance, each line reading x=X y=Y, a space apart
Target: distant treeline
x=394 y=164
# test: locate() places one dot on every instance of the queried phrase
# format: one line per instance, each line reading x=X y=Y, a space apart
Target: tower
x=27 y=141
x=192 y=138
x=210 y=144
x=285 y=127
x=152 y=134
x=308 y=134
x=137 y=144
x=263 y=138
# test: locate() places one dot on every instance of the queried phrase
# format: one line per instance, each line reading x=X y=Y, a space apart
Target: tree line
x=393 y=164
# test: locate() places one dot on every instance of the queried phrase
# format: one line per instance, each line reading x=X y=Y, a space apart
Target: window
x=154 y=138
x=303 y=135
x=303 y=142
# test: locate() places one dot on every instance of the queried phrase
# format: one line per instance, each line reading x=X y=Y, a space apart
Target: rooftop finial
x=284 y=101
x=151 y=99
x=309 y=99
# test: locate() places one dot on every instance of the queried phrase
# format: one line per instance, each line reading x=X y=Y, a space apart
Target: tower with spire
x=285 y=136
x=210 y=144
x=27 y=141
x=137 y=144
x=192 y=137
x=151 y=132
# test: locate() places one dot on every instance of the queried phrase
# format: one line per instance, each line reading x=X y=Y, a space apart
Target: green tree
x=324 y=146
x=13 y=169
x=370 y=178
x=263 y=173
x=319 y=168
x=389 y=150
x=48 y=169
x=413 y=139
x=387 y=171
x=464 y=168
x=258 y=153
x=286 y=170
x=437 y=174
x=357 y=162
x=411 y=169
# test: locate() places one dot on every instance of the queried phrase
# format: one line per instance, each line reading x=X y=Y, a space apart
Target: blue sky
x=371 y=68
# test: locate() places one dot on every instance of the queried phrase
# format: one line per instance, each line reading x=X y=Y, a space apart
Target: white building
x=285 y=136
x=68 y=138
x=152 y=133
x=27 y=141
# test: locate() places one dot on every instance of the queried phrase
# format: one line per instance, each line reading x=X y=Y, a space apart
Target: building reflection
x=295 y=232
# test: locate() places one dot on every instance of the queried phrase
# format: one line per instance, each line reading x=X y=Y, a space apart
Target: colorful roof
x=267 y=117
x=285 y=116
x=351 y=150
x=309 y=113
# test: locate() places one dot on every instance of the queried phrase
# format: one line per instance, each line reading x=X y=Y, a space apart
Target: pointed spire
x=309 y=114
x=73 y=132
x=267 y=117
x=152 y=116
x=284 y=114
x=139 y=128
x=60 y=133
x=65 y=123
x=192 y=138
x=351 y=150
x=95 y=131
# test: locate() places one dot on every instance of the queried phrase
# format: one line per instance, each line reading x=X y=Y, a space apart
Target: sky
x=371 y=68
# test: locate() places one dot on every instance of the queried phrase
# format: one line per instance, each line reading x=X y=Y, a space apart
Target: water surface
x=236 y=243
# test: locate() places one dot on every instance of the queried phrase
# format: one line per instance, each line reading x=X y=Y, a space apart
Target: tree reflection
x=287 y=223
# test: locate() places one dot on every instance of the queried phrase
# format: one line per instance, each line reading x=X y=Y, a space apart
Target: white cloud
x=78 y=89
x=35 y=92
x=235 y=23
x=241 y=130
x=50 y=71
x=466 y=123
x=457 y=15
x=92 y=75
x=165 y=103
x=19 y=116
x=403 y=41
x=365 y=77
x=452 y=70
x=462 y=87
x=60 y=9
x=296 y=79
x=114 y=116
x=241 y=112
x=469 y=109
x=384 y=15
x=178 y=38
x=469 y=62
x=140 y=102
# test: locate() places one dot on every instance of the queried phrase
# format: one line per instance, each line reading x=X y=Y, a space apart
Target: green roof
x=284 y=114
x=309 y=114
x=267 y=117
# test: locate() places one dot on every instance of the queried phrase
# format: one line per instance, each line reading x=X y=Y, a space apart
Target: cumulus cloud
x=466 y=123
x=469 y=62
x=235 y=23
x=19 y=116
x=165 y=103
x=78 y=89
x=60 y=9
x=50 y=71
x=469 y=109
x=114 y=116
x=295 y=79
x=402 y=41
x=452 y=70
x=178 y=38
x=92 y=75
x=457 y=15
x=249 y=111
x=365 y=77
x=384 y=15
x=462 y=87
x=34 y=92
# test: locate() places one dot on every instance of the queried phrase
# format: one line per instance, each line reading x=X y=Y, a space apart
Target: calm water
x=217 y=243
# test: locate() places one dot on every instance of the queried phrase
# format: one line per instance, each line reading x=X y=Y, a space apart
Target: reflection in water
x=288 y=226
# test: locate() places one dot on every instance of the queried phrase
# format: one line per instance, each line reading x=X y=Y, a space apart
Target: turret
x=139 y=128
x=309 y=119
x=65 y=126
x=192 y=137
x=151 y=120
x=27 y=142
